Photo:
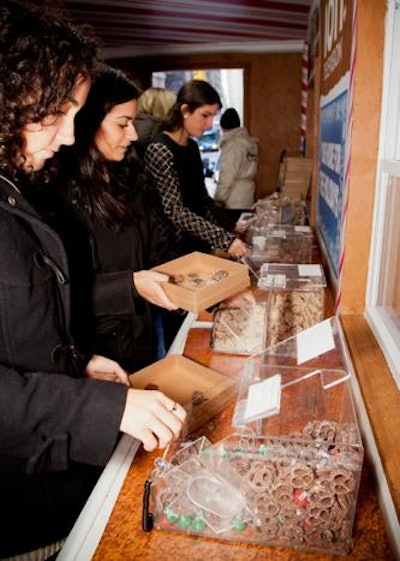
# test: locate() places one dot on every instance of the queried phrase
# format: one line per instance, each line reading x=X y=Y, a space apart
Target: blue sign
x=332 y=161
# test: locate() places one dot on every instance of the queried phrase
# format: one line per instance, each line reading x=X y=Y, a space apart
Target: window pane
x=383 y=296
x=389 y=293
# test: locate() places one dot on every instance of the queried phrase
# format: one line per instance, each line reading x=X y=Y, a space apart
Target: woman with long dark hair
x=108 y=221
x=174 y=166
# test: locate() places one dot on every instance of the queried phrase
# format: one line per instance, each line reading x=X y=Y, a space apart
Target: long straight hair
x=101 y=188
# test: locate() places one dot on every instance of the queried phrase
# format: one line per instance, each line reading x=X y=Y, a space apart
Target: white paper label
x=277 y=281
x=305 y=229
x=314 y=341
x=278 y=234
x=310 y=270
x=263 y=399
x=259 y=242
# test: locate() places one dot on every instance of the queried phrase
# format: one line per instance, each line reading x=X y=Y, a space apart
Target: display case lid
x=304 y=368
x=291 y=276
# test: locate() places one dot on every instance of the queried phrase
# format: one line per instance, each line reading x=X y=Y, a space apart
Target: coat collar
x=12 y=198
x=8 y=181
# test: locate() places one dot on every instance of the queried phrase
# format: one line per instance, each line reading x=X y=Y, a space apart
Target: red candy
x=300 y=497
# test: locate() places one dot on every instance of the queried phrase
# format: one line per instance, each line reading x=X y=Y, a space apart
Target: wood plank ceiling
x=134 y=27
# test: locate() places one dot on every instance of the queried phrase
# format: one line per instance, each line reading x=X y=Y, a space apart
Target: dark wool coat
x=119 y=323
x=147 y=127
x=49 y=414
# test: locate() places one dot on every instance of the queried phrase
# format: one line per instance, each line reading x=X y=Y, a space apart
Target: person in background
x=237 y=164
x=154 y=105
x=104 y=216
x=173 y=163
x=61 y=414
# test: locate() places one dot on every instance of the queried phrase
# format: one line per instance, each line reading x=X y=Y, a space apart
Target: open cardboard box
x=198 y=280
x=203 y=392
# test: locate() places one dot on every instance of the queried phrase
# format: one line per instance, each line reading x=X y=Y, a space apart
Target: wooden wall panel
x=275 y=100
x=272 y=98
x=364 y=150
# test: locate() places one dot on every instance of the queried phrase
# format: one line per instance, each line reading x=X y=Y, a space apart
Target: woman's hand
x=102 y=368
x=152 y=417
x=240 y=227
x=237 y=248
x=149 y=286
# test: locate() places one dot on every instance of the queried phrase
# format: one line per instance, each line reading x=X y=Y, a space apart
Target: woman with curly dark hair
x=60 y=414
x=109 y=228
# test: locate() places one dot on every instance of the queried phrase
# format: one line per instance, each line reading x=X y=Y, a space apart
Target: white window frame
x=379 y=318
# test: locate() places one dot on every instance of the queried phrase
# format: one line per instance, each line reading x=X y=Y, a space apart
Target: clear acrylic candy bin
x=300 y=454
x=297 y=489
x=288 y=230
x=286 y=246
x=240 y=329
x=297 y=298
x=288 y=477
x=196 y=499
x=285 y=209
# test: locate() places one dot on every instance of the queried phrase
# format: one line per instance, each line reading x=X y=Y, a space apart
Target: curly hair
x=41 y=57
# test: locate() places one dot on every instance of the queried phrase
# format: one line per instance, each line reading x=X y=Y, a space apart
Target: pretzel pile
x=292 y=311
x=293 y=249
x=239 y=329
x=298 y=490
x=303 y=492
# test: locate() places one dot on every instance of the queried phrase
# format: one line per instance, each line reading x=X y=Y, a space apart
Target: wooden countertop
x=124 y=540
x=380 y=395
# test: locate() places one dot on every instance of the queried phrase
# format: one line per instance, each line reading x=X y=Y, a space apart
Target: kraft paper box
x=203 y=392
x=199 y=281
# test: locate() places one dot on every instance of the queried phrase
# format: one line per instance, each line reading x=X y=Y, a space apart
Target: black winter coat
x=50 y=415
x=119 y=323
